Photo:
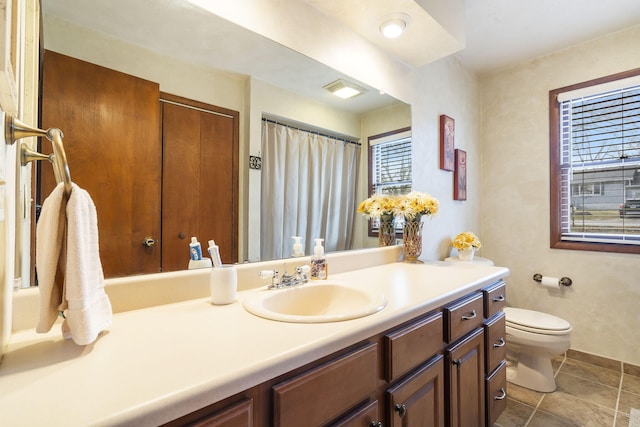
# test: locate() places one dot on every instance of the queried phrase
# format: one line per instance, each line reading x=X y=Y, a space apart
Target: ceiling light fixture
x=345 y=89
x=393 y=28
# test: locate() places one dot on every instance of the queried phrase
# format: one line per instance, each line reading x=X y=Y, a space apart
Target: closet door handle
x=473 y=315
x=499 y=298
x=148 y=241
x=500 y=343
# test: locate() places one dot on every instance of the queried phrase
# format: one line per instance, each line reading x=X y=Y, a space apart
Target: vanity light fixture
x=345 y=89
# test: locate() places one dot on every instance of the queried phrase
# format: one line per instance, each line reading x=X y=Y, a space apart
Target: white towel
x=50 y=235
x=86 y=306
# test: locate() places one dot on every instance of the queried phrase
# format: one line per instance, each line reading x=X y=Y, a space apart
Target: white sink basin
x=314 y=303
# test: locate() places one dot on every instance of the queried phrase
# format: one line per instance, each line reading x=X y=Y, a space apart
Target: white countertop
x=157 y=364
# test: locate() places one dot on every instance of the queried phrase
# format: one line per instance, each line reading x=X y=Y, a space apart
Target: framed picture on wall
x=447 y=144
x=460 y=176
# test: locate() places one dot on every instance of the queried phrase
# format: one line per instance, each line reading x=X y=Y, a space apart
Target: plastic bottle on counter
x=319 y=267
x=195 y=250
x=297 y=247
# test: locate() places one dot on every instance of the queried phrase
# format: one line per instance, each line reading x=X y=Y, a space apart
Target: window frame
x=555 y=144
x=371 y=230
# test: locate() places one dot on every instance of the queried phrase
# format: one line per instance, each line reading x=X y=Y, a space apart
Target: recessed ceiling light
x=345 y=89
x=393 y=28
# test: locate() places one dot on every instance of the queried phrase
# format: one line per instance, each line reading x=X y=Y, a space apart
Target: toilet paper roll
x=550 y=282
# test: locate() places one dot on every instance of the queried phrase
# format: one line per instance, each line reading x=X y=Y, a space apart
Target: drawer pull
x=503 y=394
x=401 y=410
x=500 y=343
x=473 y=315
x=499 y=298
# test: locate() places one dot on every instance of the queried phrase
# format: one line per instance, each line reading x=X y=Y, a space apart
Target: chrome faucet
x=301 y=276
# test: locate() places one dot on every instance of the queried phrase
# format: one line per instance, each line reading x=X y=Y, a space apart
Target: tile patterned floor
x=591 y=392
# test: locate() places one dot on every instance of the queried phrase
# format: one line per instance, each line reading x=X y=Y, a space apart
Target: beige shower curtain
x=309 y=186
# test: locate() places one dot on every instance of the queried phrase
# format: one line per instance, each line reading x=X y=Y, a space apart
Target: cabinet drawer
x=463 y=316
x=326 y=392
x=495 y=341
x=495 y=298
x=364 y=416
x=412 y=345
x=496 y=393
x=237 y=415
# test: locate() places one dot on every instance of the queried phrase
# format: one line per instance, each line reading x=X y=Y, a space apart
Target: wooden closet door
x=200 y=180
x=111 y=126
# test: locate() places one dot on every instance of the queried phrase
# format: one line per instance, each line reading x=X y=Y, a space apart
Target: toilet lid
x=535 y=320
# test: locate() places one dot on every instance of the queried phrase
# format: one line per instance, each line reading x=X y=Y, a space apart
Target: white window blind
x=391 y=166
x=600 y=166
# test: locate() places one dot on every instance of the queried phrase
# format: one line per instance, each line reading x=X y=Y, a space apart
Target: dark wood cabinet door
x=465 y=380
x=111 y=126
x=200 y=180
x=418 y=400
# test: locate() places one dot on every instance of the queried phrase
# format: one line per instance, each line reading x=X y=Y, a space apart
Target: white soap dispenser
x=319 y=268
x=298 y=251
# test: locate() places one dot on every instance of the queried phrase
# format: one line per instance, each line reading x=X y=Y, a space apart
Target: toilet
x=533 y=339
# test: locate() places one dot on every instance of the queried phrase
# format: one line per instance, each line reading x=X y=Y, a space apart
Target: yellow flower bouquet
x=466 y=240
x=410 y=207
x=414 y=205
x=378 y=206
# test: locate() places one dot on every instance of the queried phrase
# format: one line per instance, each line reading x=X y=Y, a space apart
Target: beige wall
x=446 y=87
x=602 y=304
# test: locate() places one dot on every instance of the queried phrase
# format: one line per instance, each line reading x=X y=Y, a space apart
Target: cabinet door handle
x=470 y=316
x=500 y=343
x=375 y=424
x=499 y=298
x=401 y=409
x=502 y=395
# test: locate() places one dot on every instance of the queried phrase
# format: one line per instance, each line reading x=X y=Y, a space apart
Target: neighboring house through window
x=389 y=166
x=595 y=164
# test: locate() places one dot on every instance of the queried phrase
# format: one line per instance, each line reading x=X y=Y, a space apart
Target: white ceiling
x=499 y=33
x=504 y=32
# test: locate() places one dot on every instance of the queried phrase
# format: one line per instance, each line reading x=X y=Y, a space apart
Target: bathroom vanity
x=436 y=350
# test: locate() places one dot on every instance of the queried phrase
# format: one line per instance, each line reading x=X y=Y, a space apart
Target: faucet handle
x=267 y=274
x=303 y=269
x=303 y=272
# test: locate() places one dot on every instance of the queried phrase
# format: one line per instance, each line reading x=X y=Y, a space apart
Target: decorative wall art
x=447 y=145
x=460 y=176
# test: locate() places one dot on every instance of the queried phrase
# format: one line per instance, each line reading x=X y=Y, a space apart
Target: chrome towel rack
x=14 y=130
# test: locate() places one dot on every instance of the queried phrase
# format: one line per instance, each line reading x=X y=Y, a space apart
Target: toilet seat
x=536 y=322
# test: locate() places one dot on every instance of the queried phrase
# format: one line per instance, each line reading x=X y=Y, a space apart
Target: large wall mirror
x=198 y=56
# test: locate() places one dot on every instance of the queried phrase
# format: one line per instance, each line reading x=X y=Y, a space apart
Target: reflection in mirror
x=205 y=59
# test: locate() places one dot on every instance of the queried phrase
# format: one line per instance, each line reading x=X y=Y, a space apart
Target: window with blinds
x=389 y=166
x=596 y=173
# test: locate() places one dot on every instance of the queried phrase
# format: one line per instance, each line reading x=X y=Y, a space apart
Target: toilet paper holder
x=564 y=281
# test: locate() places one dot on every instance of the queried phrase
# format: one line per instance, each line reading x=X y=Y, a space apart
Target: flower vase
x=386 y=232
x=412 y=241
x=466 y=254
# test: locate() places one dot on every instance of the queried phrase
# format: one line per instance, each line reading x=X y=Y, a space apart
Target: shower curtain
x=308 y=189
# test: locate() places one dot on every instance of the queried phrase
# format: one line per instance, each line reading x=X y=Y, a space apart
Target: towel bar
x=14 y=130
